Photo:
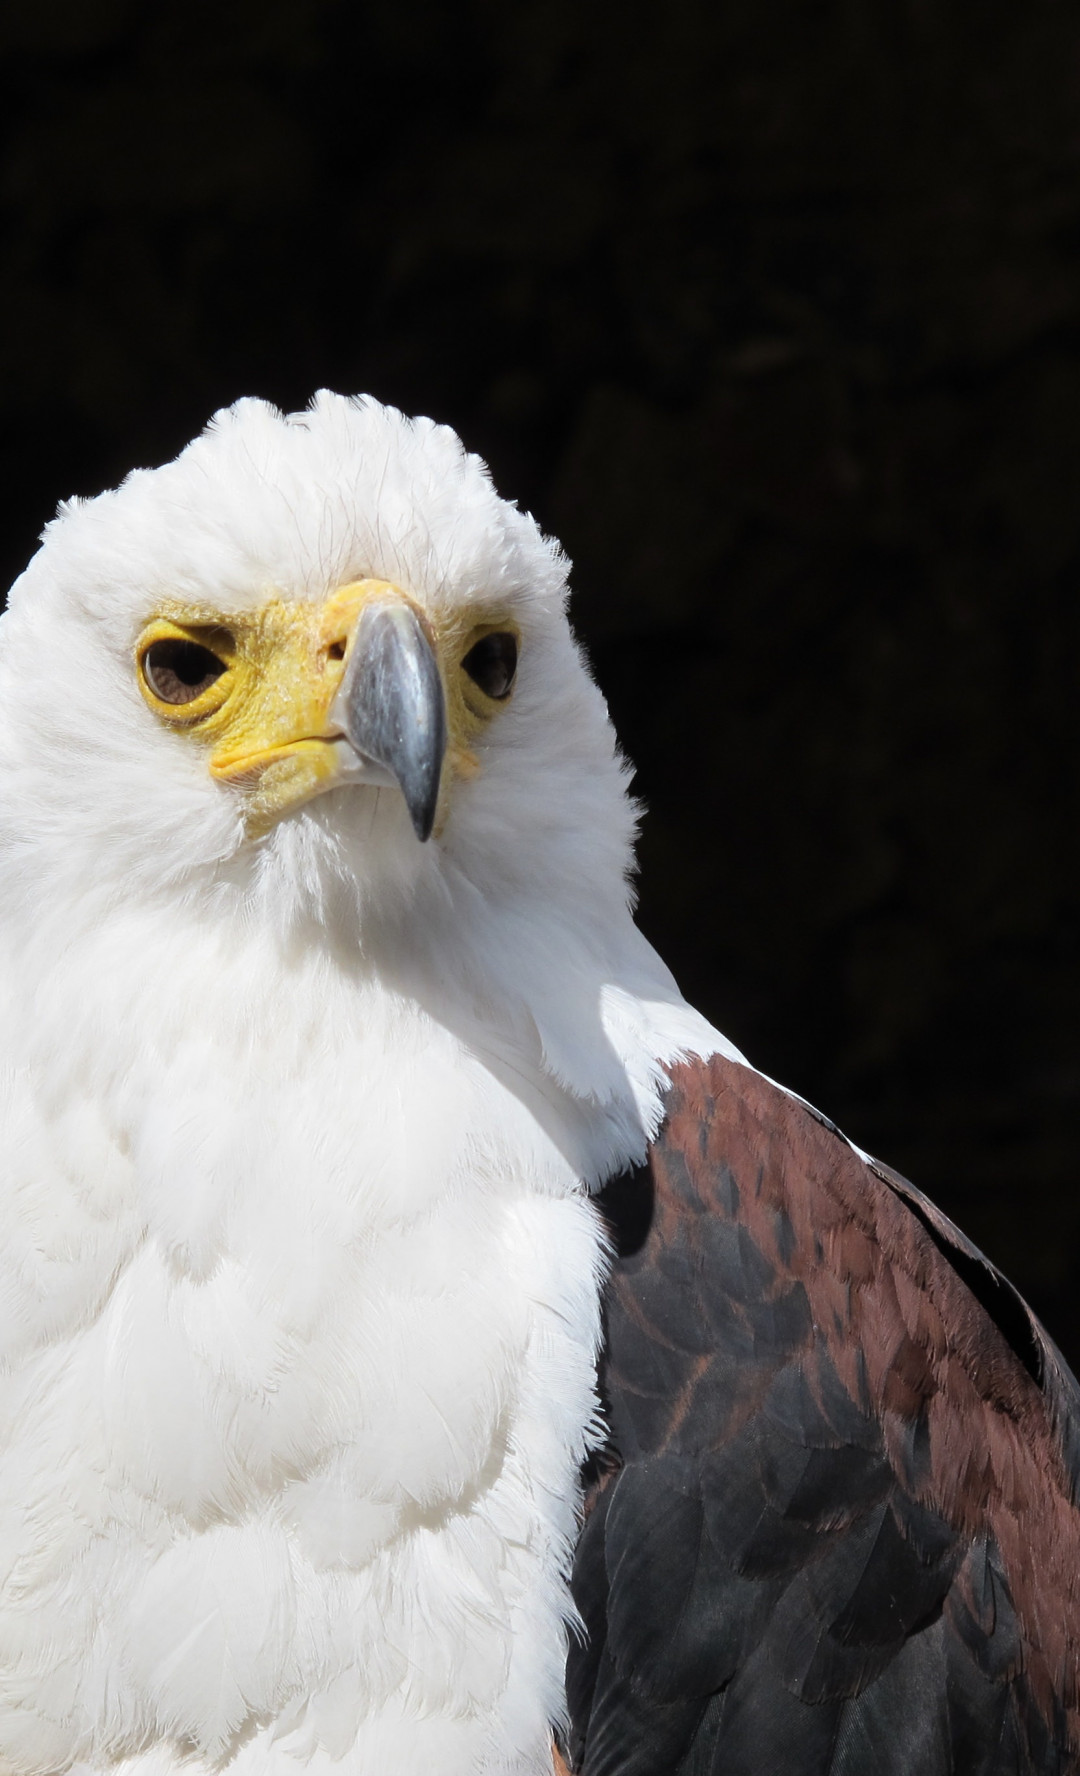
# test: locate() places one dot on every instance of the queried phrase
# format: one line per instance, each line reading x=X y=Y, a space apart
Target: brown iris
x=179 y=671
x=491 y=664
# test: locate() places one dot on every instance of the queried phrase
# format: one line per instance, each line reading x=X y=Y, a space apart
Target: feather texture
x=837 y=1529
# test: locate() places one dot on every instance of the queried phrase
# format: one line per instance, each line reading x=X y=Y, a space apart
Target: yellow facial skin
x=267 y=718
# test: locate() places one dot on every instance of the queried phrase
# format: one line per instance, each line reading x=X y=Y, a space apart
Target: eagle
x=427 y=1346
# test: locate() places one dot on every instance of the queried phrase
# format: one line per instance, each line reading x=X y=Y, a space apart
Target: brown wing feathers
x=838 y=1533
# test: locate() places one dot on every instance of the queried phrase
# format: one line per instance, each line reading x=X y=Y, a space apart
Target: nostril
x=336 y=650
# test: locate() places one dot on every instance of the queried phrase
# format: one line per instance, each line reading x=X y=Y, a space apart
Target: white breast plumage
x=299 y=1279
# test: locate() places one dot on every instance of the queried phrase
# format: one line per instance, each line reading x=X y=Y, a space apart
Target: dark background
x=771 y=310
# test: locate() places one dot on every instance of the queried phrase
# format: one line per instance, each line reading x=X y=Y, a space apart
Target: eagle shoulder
x=836 y=1525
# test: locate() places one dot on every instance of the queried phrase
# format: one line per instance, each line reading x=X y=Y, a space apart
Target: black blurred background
x=770 y=309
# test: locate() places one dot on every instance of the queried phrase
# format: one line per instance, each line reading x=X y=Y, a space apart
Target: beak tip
x=422 y=801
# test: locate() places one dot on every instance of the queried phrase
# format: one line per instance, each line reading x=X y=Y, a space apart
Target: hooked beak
x=391 y=705
x=314 y=696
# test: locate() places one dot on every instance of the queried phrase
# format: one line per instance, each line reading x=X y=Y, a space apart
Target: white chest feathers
x=297 y=1372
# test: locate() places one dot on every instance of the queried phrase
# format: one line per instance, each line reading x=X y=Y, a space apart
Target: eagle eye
x=491 y=664
x=180 y=671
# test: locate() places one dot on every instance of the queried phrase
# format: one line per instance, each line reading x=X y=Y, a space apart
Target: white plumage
x=298 y=1274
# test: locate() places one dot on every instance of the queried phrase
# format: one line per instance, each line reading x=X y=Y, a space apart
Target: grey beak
x=392 y=704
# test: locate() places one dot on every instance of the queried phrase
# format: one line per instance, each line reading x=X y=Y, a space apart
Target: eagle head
x=315 y=660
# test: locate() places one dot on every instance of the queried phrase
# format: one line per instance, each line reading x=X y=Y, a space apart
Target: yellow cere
x=266 y=716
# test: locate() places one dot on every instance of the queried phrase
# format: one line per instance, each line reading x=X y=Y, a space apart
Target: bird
x=427 y=1345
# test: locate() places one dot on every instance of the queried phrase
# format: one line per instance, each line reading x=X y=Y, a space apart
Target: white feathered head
x=277 y=664
x=315 y=678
